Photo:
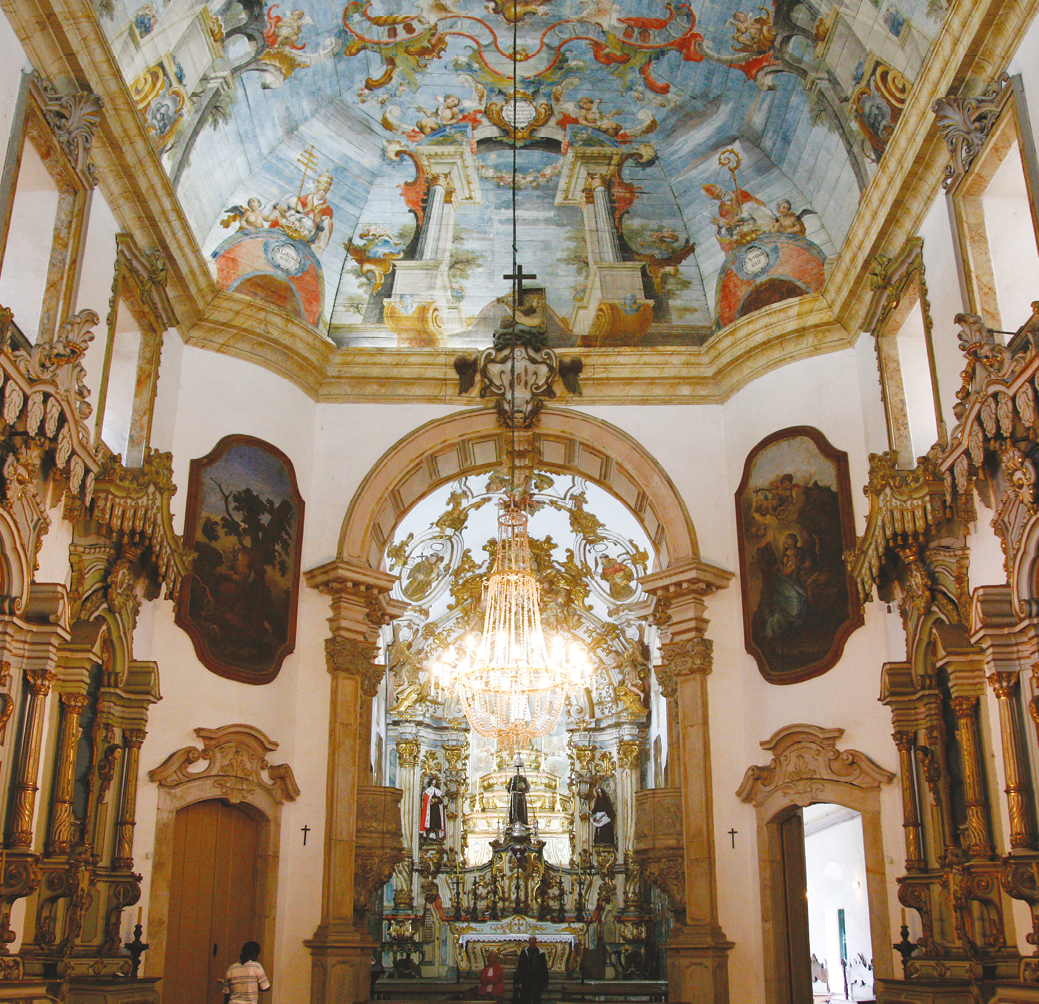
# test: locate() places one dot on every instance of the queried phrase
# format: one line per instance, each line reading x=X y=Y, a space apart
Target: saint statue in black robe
x=604 y=817
x=518 y=788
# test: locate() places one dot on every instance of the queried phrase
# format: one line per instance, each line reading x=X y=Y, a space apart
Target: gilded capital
x=964 y=707
x=628 y=754
x=134 y=738
x=1004 y=684
x=73 y=703
x=407 y=753
x=39 y=681
x=904 y=741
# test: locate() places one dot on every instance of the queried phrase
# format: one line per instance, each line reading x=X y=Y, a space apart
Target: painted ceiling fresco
x=680 y=164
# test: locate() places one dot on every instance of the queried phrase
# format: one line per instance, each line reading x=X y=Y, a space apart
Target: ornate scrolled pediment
x=803 y=756
x=235 y=758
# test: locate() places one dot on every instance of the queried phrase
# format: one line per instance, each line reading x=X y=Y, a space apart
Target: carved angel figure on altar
x=431 y=821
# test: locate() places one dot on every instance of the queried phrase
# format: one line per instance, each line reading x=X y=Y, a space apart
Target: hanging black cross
x=306 y=830
x=732 y=837
x=517 y=278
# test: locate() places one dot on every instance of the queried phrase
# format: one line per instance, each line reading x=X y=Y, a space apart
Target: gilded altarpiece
x=464 y=889
x=961 y=868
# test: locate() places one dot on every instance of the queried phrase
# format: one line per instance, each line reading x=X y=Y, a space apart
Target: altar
x=563 y=944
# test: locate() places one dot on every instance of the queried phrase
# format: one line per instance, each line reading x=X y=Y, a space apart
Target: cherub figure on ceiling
x=752 y=34
x=586 y=111
x=516 y=10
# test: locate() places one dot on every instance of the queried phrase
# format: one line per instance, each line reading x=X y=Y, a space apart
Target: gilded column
x=408 y=749
x=627 y=783
x=27 y=763
x=975 y=832
x=905 y=741
x=133 y=739
x=1022 y=826
x=60 y=833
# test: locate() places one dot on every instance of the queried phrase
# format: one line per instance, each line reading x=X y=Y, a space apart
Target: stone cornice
x=975 y=43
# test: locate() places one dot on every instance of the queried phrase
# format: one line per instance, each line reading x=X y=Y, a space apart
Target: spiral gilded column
x=60 y=831
x=1022 y=824
x=133 y=739
x=975 y=832
x=27 y=762
x=906 y=741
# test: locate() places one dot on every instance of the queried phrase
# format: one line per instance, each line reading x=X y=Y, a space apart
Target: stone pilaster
x=340 y=947
x=697 y=949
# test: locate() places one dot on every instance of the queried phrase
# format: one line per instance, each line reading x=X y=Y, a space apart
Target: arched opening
x=586 y=453
x=800 y=797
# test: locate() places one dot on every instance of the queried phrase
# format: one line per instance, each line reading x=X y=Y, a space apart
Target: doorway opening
x=839 y=936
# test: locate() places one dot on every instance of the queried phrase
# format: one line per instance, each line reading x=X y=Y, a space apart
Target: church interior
x=648 y=557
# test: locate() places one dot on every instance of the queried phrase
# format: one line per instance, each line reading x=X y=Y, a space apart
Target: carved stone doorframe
x=806 y=768
x=236 y=760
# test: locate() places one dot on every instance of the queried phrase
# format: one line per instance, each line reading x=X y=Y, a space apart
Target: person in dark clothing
x=531 y=973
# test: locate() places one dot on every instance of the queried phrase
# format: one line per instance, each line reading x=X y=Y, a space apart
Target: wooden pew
x=615 y=991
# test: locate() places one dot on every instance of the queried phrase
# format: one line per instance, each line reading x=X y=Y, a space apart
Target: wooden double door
x=214 y=896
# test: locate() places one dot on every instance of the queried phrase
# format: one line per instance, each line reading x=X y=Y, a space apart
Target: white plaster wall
x=704 y=449
x=212 y=396
x=201 y=398
x=12 y=64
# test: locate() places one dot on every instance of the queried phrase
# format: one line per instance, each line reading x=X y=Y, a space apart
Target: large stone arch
x=359 y=590
x=470 y=442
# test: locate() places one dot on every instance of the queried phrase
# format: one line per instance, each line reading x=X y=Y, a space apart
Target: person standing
x=531 y=973
x=492 y=979
x=245 y=978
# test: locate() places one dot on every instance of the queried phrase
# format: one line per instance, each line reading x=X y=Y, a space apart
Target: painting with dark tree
x=245 y=524
x=794 y=511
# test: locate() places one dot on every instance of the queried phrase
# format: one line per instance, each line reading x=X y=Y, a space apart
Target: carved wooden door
x=799 y=953
x=212 y=899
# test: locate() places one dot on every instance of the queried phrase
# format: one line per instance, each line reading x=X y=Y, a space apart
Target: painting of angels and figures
x=795 y=522
x=244 y=525
x=350 y=164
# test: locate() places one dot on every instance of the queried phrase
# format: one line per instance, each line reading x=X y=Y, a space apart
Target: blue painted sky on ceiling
x=246 y=101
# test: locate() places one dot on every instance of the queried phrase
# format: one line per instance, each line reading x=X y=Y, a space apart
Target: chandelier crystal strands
x=510 y=686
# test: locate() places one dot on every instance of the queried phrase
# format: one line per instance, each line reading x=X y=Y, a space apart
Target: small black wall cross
x=306 y=830
x=732 y=837
x=517 y=278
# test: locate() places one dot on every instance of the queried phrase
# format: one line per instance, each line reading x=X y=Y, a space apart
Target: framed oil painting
x=793 y=509
x=244 y=524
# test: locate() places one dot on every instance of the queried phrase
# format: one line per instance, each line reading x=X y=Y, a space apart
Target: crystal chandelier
x=511 y=687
